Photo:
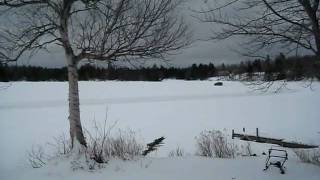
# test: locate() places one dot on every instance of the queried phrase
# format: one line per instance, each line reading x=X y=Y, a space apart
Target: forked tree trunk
x=76 y=132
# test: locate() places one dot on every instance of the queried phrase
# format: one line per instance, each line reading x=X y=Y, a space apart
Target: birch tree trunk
x=76 y=132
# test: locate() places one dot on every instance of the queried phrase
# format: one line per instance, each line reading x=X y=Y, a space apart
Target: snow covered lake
x=34 y=113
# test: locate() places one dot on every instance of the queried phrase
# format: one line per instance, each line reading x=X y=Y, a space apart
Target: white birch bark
x=76 y=132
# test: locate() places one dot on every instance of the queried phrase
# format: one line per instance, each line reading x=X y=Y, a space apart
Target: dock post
x=232 y=133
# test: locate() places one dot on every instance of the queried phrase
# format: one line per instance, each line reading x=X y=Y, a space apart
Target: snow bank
x=187 y=168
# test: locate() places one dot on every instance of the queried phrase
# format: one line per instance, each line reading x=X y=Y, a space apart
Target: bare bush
x=215 y=144
x=61 y=145
x=37 y=157
x=124 y=146
x=97 y=142
x=178 y=152
x=309 y=156
x=103 y=145
x=246 y=149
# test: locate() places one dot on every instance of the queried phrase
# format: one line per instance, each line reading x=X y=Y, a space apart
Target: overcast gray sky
x=199 y=52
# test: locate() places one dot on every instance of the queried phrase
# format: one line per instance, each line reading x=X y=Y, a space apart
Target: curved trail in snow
x=122 y=100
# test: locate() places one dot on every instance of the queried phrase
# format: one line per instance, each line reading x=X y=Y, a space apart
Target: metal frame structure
x=276 y=160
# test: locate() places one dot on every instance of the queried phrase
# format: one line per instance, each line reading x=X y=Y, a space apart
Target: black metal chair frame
x=279 y=163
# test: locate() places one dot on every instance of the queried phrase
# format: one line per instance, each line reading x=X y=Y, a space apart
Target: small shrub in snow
x=82 y=161
x=311 y=156
x=246 y=149
x=124 y=145
x=101 y=147
x=104 y=145
x=37 y=157
x=178 y=152
x=215 y=144
x=61 y=145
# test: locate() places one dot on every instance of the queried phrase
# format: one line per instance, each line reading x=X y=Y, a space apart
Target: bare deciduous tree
x=103 y=30
x=293 y=24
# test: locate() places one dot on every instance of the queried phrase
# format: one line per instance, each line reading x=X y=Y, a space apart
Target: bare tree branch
x=294 y=24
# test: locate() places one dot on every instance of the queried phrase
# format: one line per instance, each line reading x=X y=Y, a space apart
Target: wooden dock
x=261 y=139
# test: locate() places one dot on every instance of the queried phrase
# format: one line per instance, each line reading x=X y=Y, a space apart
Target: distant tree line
x=279 y=68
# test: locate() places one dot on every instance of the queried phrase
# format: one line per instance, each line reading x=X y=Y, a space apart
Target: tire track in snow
x=122 y=100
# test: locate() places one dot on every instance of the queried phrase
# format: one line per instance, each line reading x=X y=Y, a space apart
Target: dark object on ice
x=280 y=142
x=263 y=153
x=253 y=154
x=153 y=146
x=277 y=158
x=218 y=84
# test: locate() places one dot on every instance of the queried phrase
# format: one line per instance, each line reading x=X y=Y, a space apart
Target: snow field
x=33 y=113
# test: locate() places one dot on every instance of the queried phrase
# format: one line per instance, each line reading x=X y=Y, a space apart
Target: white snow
x=187 y=168
x=34 y=113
